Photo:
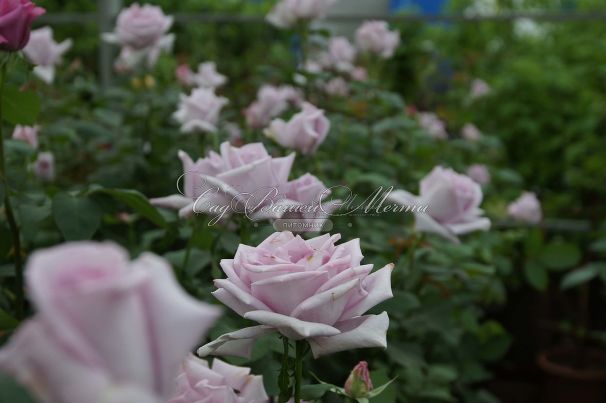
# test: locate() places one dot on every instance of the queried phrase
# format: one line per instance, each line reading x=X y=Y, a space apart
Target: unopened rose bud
x=359 y=384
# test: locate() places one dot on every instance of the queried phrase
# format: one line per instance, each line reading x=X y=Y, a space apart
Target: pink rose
x=271 y=101
x=337 y=87
x=29 y=134
x=479 y=88
x=141 y=31
x=471 y=132
x=16 y=18
x=358 y=383
x=304 y=289
x=341 y=54
x=44 y=166
x=376 y=38
x=200 y=111
x=479 y=173
x=140 y=27
x=433 y=125
x=305 y=131
x=243 y=175
x=107 y=330
x=45 y=53
x=219 y=383
x=184 y=75
x=287 y=13
x=526 y=208
x=359 y=74
x=208 y=76
x=452 y=204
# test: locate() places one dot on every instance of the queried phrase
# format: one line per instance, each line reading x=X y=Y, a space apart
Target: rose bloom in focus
x=310 y=289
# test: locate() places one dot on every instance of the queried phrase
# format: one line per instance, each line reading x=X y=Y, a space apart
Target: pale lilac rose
x=44 y=166
x=45 y=53
x=106 y=329
x=479 y=173
x=184 y=75
x=359 y=74
x=433 y=125
x=142 y=33
x=375 y=37
x=29 y=134
x=341 y=54
x=16 y=18
x=337 y=87
x=271 y=101
x=200 y=111
x=526 y=208
x=452 y=204
x=208 y=76
x=304 y=132
x=287 y=13
x=140 y=27
x=243 y=175
x=304 y=289
x=479 y=89
x=471 y=132
x=217 y=383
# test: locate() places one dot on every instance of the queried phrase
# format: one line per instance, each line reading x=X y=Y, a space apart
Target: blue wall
x=426 y=7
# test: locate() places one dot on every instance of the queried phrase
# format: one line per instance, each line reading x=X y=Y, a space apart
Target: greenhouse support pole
x=106 y=12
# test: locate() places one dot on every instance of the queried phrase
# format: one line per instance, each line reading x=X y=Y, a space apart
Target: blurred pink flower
x=44 y=166
x=29 y=134
x=107 y=330
x=242 y=175
x=304 y=132
x=271 y=101
x=337 y=87
x=184 y=75
x=452 y=201
x=200 y=111
x=219 y=383
x=358 y=383
x=433 y=125
x=375 y=37
x=287 y=13
x=16 y=18
x=341 y=54
x=142 y=33
x=526 y=208
x=479 y=173
x=471 y=132
x=479 y=88
x=359 y=74
x=207 y=76
x=304 y=289
x=45 y=53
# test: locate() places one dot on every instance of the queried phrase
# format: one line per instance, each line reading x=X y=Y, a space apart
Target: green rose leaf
x=20 y=107
x=77 y=217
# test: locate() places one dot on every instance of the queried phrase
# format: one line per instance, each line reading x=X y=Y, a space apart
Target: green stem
x=10 y=217
x=284 y=378
x=300 y=354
